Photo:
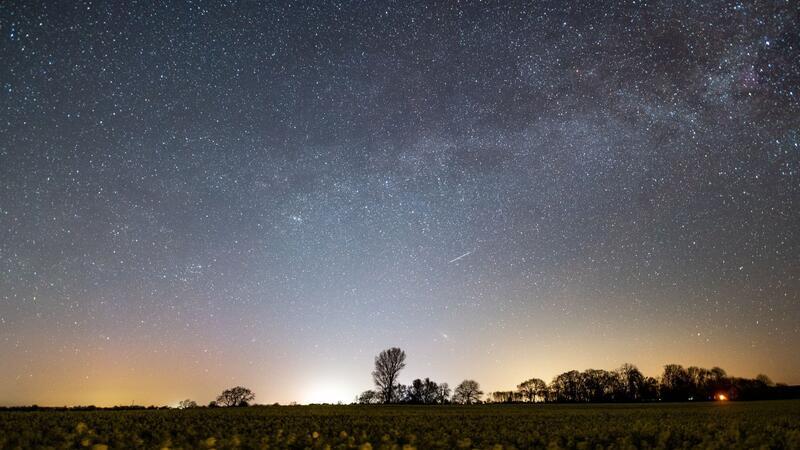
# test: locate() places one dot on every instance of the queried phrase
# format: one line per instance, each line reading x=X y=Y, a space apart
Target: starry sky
x=204 y=194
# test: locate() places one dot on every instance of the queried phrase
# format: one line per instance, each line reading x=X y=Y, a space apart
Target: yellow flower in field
x=365 y=446
x=464 y=443
x=210 y=442
x=86 y=442
x=99 y=447
x=343 y=435
x=315 y=435
x=409 y=447
x=81 y=428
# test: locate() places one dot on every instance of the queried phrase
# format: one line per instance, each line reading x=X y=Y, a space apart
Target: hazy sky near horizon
x=204 y=194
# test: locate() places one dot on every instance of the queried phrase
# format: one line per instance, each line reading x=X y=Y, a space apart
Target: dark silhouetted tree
x=368 y=397
x=388 y=365
x=631 y=383
x=597 y=385
x=649 y=389
x=424 y=392
x=430 y=392
x=415 y=392
x=467 y=393
x=567 y=387
x=236 y=396
x=443 y=394
x=761 y=387
x=717 y=381
x=401 y=393
x=698 y=383
x=186 y=404
x=505 y=397
x=532 y=389
x=765 y=380
x=675 y=383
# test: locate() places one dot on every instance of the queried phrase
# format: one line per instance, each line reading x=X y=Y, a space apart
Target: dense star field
x=199 y=195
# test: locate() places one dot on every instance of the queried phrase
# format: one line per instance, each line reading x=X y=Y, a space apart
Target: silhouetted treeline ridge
x=624 y=384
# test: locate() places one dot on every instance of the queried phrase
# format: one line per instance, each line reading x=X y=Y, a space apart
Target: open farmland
x=774 y=424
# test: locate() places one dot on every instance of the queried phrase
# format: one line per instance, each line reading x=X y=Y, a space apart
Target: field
x=774 y=424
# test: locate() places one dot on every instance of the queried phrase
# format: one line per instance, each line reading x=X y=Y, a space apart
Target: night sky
x=200 y=195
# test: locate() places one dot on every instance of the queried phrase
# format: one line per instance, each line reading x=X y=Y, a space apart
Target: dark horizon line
x=795 y=388
x=764 y=391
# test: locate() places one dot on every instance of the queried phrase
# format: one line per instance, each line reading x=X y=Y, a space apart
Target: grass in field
x=773 y=424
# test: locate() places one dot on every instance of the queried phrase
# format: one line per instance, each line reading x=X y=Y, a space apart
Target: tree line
x=624 y=384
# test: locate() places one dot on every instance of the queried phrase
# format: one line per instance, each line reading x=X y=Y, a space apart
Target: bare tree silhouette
x=531 y=389
x=443 y=394
x=368 y=397
x=675 y=383
x=236 y=396
x=425 y=392
x=631 y=382
x=186 y=404
x=468 y=392
x=388 y=365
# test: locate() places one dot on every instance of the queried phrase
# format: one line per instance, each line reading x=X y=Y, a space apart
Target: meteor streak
x=456 y=259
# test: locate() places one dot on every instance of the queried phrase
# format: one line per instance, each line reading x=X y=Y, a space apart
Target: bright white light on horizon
x=329 y=392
